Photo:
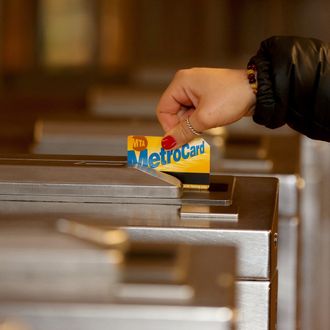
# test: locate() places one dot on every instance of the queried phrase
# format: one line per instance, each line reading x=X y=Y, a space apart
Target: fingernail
x=168 y=142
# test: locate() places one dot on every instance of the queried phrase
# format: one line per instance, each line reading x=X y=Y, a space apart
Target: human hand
x=209 y=97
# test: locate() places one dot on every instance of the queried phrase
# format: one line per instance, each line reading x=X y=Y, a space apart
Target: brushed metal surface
x=254 y=233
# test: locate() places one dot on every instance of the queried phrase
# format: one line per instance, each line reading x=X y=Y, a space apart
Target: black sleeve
x=294 y=85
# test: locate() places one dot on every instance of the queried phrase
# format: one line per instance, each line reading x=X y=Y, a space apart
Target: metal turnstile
x=152 y=207
x=241 y=149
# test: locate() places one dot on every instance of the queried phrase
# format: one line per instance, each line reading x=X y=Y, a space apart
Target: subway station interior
x=89 y=243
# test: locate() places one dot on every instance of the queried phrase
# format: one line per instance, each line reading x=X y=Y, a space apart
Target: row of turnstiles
x=89 y=243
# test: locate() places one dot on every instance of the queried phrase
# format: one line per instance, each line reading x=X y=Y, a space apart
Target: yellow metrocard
x=190 y=163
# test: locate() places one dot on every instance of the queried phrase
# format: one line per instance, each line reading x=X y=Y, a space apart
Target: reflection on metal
x=71 y=283
x=210 y=213
x=99 y=316
x=114 y=238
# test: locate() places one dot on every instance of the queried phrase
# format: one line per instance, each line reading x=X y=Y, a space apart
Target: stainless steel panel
x=254 y=248
x=27 y=181
x=315 y=248
x=257 y=304
x=254 y=232
x=151 y=223
x=288 y=272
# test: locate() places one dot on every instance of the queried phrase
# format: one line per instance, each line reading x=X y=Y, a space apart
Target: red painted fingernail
x=168 y=142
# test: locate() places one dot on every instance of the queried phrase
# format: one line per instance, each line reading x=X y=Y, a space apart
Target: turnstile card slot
x=219 y=193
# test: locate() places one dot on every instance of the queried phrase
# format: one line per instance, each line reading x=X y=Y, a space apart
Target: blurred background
x=57 y=55
x=70 y=69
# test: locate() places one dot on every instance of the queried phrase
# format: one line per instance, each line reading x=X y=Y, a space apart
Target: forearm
x=294 y=85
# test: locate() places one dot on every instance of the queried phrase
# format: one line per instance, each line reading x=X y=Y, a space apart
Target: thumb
x=187 y=129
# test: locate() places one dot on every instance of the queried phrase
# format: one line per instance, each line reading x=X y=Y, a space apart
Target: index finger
x=172 y=106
